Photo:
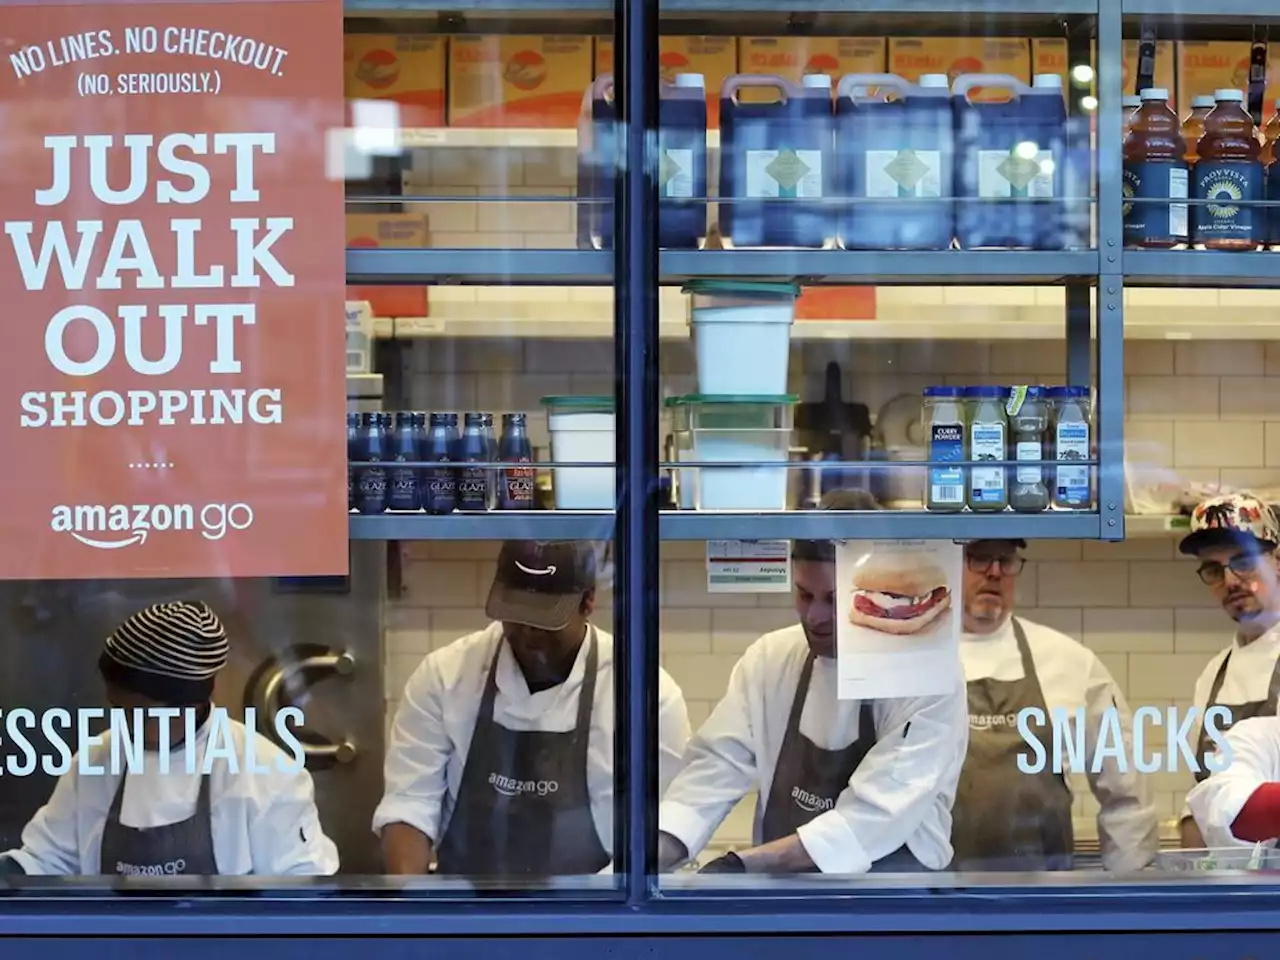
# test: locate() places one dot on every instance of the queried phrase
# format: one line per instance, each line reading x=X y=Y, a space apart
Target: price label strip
x=748 y=566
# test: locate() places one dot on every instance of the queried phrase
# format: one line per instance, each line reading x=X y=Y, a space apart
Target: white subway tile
x=684 y=631
x=453 y=623
x=701 y=676
x=550 y=168
x=1149 y=443
x=1271 y=355
x=1138 y=548
x=1161 y=397
x=1118 y=666
x=436 y=583
x=1170 y=583
x=520 y=393
x=1083 y=585
x=1247 y=479
x=699 y=710
x=1148 y=358
x=872 y=357
x=448 y=240
x=1025 y=591
x=1048 y=550
x=568 y=356
x=1250 y=398
x=1132 y=630
x=1066 y=620
x=944 y=356
x=416 y=641
x=448 y=216
x=399 y=668
x=529 y=216
x=732 y=631
x=1221 y=444
x=1204 y=631
x=1012 y=356
x=1273 y=444
x=1218 y=358
x=1157 y=677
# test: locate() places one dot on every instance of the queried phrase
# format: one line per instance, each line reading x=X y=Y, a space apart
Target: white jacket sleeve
x=50 y=840
x=417 y=757
x=284 y=831
x=719 y=768
x=673 y=731
x=908 y=772
x=1128 y=826
x=1255 y=759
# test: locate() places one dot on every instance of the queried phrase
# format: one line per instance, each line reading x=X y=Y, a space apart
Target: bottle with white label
x=682 y=163
x=1072 y=441
x=776 y=162
x=988 y=434
x=1028 y=424
x=894 y=162
x=944 y=425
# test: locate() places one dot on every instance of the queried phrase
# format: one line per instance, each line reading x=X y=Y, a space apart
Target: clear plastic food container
x=583 y=431
x=734 y=429
x=742 y=335
x=1254 y=859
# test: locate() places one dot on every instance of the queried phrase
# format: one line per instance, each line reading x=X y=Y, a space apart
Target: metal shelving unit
x=714 y=525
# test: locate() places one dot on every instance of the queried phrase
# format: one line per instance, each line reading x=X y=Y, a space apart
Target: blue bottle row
x=445 y=479
x=884 y=165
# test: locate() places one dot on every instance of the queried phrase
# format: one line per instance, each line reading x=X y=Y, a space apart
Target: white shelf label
x=748 y=566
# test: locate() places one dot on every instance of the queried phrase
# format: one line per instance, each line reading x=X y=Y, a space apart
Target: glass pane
x=1118 y=697
x=416 y=689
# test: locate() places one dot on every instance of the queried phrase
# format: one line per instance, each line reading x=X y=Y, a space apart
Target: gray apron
x=177 y=849
x=1004 y=819
x=523 y=808
x=808 y=779
x=1239 y=711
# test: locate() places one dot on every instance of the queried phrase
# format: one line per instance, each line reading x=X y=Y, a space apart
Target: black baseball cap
x=540 y=583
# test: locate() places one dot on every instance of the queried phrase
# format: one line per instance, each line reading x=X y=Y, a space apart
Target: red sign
x=172 y=377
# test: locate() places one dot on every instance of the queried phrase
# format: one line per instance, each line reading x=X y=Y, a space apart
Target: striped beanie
x=169 y=652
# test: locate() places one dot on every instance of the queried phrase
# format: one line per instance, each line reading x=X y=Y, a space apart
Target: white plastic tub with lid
x=739 y=429
x=582 y=431
x=742 y=335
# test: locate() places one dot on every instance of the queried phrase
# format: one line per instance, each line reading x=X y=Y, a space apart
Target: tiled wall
x=1199 y=409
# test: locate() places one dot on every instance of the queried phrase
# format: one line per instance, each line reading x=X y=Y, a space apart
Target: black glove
x=729 y=863
x=10 y=866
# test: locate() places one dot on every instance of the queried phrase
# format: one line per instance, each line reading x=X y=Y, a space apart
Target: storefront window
x=788 y=447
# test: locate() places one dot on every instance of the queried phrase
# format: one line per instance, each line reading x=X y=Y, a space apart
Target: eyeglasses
x=1009 y=566
x=1244 y=566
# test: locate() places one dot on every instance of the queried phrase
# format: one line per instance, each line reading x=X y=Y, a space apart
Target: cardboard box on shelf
x=1050 y=56
x=517 y=81
x=910 y=57
x=793 y=57
x=1206 y=66
x=395 y=230
x=406 y=68
x=714 y=57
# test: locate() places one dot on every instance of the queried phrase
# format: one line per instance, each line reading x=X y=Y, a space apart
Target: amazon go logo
x=114 y=526
x=511 y=787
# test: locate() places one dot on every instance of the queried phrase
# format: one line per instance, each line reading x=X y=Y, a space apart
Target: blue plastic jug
x=682 y=163
x=776 y=163
x=894 y=162
x=1010 y=161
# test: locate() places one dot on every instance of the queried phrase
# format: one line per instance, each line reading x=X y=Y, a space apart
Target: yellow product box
x=407 y=68
x=517 y=81
x=1205 y=66
x=396 y=230
x=911 y=57
x=716 y=58
x=793 y=57
x=1050 y=56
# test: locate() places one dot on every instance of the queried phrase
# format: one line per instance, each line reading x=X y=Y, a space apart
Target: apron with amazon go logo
x=1004 y=819
x=523 y=808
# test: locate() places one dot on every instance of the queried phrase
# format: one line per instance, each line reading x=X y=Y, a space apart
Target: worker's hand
x=1189 y=835
x=729 y=863
x=671 y=852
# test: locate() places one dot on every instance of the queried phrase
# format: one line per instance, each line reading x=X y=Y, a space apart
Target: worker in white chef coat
x=222 y=817
x=1240 y=802
x=842 y=786
x=1008 y=819
x=1234 y=539
x=501 y=756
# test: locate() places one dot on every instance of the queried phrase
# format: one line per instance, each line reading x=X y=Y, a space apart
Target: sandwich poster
x=897 y=618
x=173 y=380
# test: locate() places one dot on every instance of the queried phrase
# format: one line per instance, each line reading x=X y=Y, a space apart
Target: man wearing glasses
x=1008 y=819
x=1234 y=539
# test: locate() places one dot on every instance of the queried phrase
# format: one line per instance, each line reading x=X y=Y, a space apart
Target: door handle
x=274 y=685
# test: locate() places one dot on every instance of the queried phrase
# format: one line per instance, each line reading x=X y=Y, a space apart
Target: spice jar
x=944 y=425
x=1072 y=434
x=988 y=433
x=1028 y=424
